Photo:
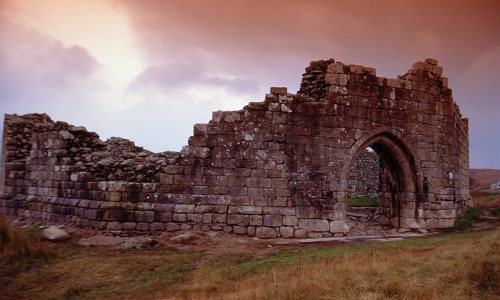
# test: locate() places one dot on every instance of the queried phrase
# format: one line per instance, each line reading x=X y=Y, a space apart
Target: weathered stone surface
x=241 y=220
x=157 y=226
x=364 y=179
x=171 y=227
x=286 y=232
x=273 y=166
x=290 y=221
x=239 y=229
x=278 y=90
x=181 y=238
x=265 y=232
x=314 y=225
x=55 y=234
x=129 y=244
x=339 y=226
x=273 y=220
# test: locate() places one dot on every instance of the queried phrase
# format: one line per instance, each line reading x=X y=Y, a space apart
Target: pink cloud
x=31 y=60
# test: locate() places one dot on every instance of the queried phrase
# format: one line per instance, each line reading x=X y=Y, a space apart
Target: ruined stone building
x=277 y=168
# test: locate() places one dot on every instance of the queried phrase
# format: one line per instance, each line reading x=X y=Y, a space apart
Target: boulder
x=55 y=234
x=129 y=244
x=183 y=237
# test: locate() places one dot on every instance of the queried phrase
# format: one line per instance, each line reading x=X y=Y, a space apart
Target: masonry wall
x=364 y=178
x=272 y=169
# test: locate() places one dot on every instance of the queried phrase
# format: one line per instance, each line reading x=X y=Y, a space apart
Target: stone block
x=242 y=220
x=207 y=218
x=432 y=223
x=444 y=223
x=144 y=216
x=336 y=68
x=115 y=196
x=210 y=209
x=128 y=226
x=200 y=129
x=239 y=229
x=307 y=212
x=179 y=217
x=290 y=221
x=273 y=220
x=278 y=90
x=276 y=201
x=447 y=213
x=197 y=218
x=157 y=226
x=185 y=227
x=265 y=232
x=438 y=70
x=219 y=218
x=164 y=216
x=300 y=233
x=356 y=69
x=166 y=179
x=171 y=227
x=145 y=206
x=279 y=183
x=370 y=71
x=337 y=79
x=184 y=208
x=256 y=220
x=251 y=230
x=286 y=232
x=164 y=207
x=91 y=214
x=444 y=81
x=431 y=61
x=249 y=210
x=142 y=226
x=284 y=211
x=113 y=226
x=314 y=225
x=339 y=226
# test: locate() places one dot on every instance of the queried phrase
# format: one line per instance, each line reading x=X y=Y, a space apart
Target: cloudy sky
x=148 y=70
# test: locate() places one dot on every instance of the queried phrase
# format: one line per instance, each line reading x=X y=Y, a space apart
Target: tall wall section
x=277 y=168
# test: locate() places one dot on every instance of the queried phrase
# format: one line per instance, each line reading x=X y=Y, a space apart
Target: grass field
x=448 y=266
x=457 y=266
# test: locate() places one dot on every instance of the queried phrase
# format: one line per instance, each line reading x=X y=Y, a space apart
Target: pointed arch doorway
x=399 y=178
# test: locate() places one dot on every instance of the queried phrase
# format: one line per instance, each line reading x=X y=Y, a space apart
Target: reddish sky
x=149 y=70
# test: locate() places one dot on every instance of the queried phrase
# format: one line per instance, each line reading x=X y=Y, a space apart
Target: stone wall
x=364 y=177
x=277 y=168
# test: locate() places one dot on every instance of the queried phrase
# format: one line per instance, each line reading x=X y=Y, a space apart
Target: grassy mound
x=17 y=249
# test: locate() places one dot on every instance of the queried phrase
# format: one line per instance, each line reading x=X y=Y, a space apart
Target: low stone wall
x=364 y=179
x=277 y=168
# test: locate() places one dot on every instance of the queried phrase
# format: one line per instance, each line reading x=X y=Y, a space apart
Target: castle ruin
x=277 y=168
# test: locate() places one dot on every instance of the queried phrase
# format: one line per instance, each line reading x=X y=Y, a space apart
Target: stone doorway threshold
x=364 y=227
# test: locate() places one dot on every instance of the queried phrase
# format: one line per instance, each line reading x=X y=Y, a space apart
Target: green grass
x=466 y=219
x=155 y=273
x=362 y=202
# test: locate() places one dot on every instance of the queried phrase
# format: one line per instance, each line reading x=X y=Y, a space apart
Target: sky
x=149 y=70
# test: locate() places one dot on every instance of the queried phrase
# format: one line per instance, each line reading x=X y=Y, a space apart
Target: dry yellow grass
x=455 y=266
x=457 y=269
x=16 y=247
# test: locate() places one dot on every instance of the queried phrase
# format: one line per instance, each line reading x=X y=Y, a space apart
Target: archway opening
x=382 y=169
